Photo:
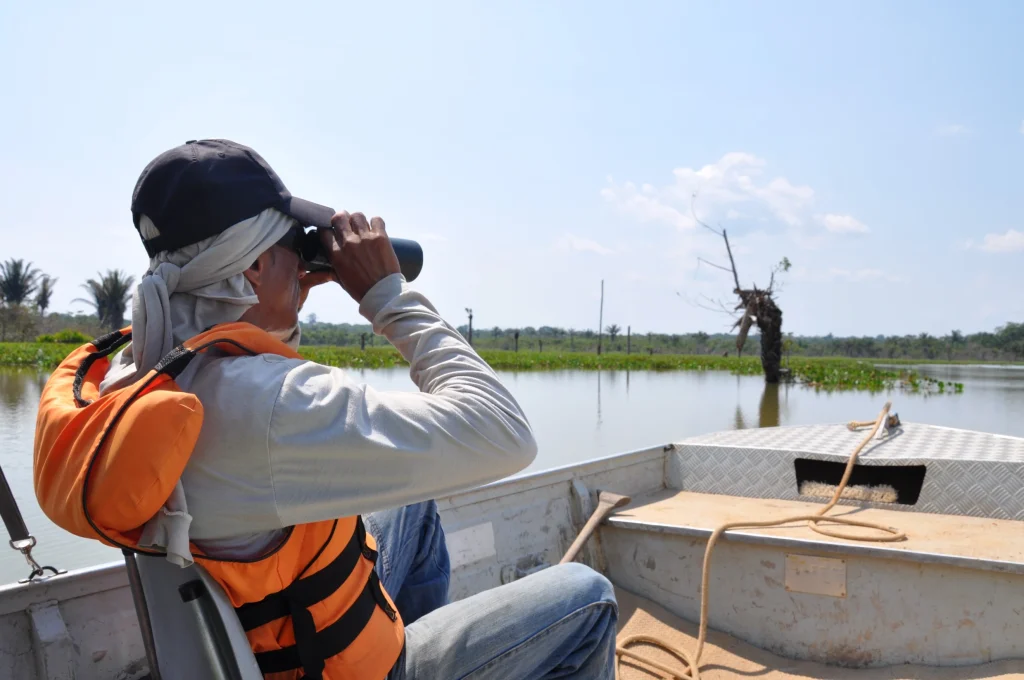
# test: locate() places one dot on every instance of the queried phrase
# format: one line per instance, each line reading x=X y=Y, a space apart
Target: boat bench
x=880 y=601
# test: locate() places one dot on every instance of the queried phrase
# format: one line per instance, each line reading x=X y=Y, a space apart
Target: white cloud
x=576 y=243
x=1022 y=127
x=1010 y=242
x=736 y=187
x=952 y=130
x=646 y=207
x=842 y=224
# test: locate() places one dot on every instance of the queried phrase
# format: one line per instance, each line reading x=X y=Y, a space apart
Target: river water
x=577 y=416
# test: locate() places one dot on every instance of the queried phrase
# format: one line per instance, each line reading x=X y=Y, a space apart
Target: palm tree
x=110 y=296
x=18 y=280
x=45 y=293
x=612 y=331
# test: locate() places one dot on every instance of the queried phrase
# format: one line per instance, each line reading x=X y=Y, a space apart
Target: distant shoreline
x=829 y=373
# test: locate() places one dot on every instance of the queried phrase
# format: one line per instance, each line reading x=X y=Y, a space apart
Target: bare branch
x=718 y=266
x=693 y=211
x=710 y=309
x=735 y=276
x=718 y=303
x=721 y=309
x=725 y=237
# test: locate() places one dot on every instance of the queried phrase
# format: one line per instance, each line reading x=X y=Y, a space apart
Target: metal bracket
x=25 y=546
x=52 y=644
x=582 y=507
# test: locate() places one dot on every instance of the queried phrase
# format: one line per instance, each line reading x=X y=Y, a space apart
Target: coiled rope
x=692 y=662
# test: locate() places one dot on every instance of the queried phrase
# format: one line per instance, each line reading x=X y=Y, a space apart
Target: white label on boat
x=471 y=544
x=816 y=575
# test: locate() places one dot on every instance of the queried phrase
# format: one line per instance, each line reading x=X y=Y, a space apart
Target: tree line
x=1005 y=343
x=26 y=294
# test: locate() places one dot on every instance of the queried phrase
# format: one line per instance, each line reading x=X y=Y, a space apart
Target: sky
x=537 y=148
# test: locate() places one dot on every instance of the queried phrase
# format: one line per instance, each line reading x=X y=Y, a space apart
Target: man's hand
x=310 y=280
x=360 y=252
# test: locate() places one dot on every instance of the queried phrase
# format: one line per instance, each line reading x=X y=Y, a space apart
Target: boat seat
x=953 y=540
x=195 y=632
x=727 y=657
x=947 y=595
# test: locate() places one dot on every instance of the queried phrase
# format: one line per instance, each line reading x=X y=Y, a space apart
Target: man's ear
x=255 y=271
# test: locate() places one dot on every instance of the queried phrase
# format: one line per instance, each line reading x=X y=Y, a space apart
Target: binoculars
x=410 y=254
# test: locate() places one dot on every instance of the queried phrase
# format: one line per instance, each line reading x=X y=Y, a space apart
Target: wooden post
x=470 y=312
x=629 y=341
x=572 y=342
x=600 y=319
x=362 y=341
x=541 y=345
x=517 y=340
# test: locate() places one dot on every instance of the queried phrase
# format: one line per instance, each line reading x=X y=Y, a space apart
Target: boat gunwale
x=17 y=597
x=553 y=476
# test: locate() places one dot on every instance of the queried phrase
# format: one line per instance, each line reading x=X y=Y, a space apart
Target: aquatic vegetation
x=822 y=373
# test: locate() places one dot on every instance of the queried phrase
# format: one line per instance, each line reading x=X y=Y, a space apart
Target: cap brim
x=308 y=214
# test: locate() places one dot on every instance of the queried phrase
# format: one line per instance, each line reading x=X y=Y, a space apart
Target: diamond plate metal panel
x=968 y=473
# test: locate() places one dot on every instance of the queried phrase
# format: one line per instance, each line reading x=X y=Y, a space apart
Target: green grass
x=353 y=357
x=829 y=373
x=946 y=362
x=39 y=354
x=823 y=373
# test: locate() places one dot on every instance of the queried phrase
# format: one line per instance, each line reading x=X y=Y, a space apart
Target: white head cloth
x=184 y=293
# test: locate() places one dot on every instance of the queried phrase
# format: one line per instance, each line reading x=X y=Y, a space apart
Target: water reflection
x=738 y=422
x=19 y=387
x=768 y=411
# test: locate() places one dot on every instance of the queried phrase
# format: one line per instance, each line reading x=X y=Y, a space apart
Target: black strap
x=309 y=590
x=13 y=520
x=312 y=648
x=105 y=346
x=155 y=245
x=175 y=361
x=333 y=639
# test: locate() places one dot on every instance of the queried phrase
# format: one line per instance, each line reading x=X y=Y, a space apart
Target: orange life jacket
x=104 y=465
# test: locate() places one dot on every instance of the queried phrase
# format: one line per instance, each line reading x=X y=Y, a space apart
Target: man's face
x=275 y=278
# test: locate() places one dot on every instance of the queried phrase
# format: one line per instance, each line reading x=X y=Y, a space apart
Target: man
x=289 y=443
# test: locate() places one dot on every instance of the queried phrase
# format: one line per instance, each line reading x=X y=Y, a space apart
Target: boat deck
x=966 y=473
x=970 y=542
x=726 y=657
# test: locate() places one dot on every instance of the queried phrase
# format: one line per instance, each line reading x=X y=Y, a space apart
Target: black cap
x=201 y=188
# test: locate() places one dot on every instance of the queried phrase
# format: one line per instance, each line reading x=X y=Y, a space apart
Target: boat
x=930 y=586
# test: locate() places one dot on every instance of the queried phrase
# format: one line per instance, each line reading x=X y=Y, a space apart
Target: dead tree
x=758 y=307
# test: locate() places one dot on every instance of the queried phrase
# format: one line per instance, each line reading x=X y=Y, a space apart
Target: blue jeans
x=556 y=623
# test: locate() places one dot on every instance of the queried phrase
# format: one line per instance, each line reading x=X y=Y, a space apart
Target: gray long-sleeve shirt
x=287 y=441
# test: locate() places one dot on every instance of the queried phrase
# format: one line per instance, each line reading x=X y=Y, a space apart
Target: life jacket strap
x=313 y=647
x=330 y=641
x=105 y=346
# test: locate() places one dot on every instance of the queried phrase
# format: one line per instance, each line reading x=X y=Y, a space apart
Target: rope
x=692 y=662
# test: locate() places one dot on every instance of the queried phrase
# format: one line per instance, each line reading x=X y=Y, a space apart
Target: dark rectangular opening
x=907 y=480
